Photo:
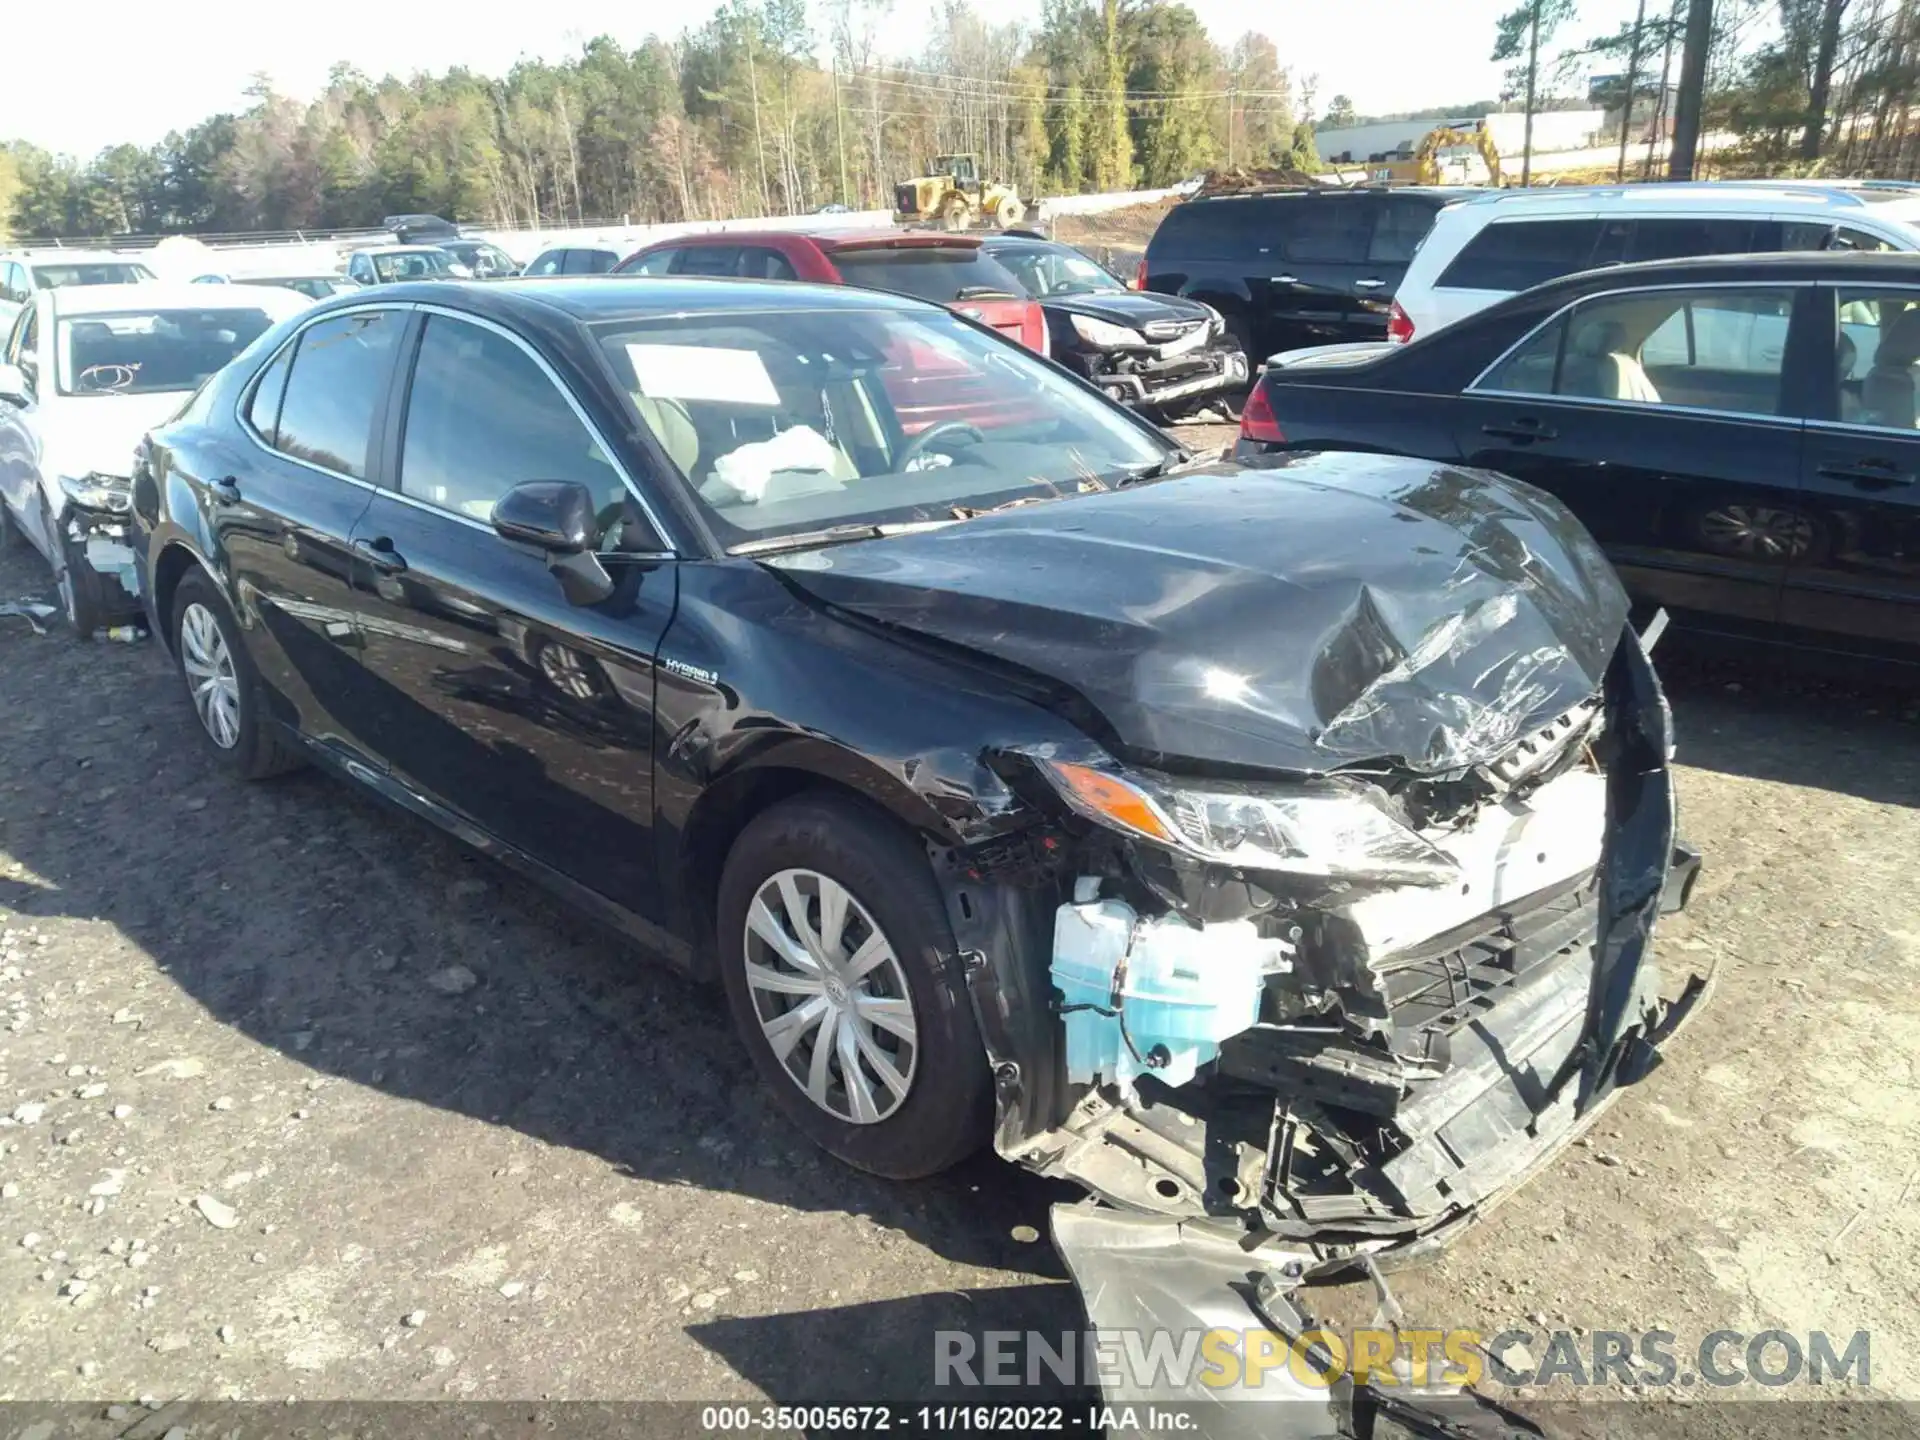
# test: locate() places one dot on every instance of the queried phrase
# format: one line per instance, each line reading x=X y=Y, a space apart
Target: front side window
x=53 y=277
x=141 y=353
x=1709 y=349
x=482 y=417
x=339 y=377
x=360 y=268
x=1401 y=225
x=548 y=264
x=1876 y=352
x=799 y=419
x=654 y=262
x=1056 y=270
x=13 y=282
x=707 y=260
x=1515 y=255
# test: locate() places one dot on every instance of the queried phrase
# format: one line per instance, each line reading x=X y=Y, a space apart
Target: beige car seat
x=1598 y=366
x=672 y=426
x=1887 y=395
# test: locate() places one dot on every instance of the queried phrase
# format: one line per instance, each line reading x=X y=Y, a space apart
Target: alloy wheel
x=830 y=996
x=211 y=677
x=1761 y=531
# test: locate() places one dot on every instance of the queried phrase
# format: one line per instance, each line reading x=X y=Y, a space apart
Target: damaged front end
x=94 y=537
x=1309 y=1025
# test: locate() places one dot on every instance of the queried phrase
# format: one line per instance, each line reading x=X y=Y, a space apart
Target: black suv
x=1294 y=267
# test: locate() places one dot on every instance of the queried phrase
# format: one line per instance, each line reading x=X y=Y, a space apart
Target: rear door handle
x=380 y=554
x=1282 y=280
x=1368 y=284
x=1521 y=430
x=1869 y=474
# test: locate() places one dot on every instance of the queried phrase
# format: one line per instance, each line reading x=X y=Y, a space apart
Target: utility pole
x=840 y=131
x=1233 y=93
x=1693 y=86
x=1633 y=81
x=1533 y=76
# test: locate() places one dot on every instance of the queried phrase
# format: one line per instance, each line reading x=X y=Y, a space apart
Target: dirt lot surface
x=304 y=1100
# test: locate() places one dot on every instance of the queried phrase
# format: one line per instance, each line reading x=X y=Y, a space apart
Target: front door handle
x=1521 y=431
x=1869 y=474
x=1368 y=284
x=380 y=554
x=1282 y=280
x=224 y=491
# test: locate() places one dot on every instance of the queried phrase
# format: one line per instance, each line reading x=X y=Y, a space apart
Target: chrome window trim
x=246 y=391
x=1850 y=426
x=1642 y=407
x=573 y=403
x=1472 y=386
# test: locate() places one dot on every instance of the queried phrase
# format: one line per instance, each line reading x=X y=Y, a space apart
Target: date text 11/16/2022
x=1094 y=1419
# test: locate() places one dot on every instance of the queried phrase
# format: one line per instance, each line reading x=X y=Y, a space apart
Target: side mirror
x=557 y=517
x=14 y=387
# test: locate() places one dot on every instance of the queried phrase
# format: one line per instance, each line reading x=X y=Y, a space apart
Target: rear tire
x=223 y=686
x=1009 y=213
x=891 y=1002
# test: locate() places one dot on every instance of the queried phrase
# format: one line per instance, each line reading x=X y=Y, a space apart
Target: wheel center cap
x=837 y=991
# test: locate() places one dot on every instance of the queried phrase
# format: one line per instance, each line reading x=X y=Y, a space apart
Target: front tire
x=839 y=967
x=222 y=685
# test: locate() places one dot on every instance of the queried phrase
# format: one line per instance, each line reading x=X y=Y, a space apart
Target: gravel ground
x=307 y=1101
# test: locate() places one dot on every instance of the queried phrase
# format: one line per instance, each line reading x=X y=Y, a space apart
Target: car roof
x=70 y=300
x=1705 y=195
x=1790 y=267
x=592 y=298
x=400 y=250
x=73 y=257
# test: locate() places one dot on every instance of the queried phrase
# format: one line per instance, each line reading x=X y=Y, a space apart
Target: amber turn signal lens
x=1102 y=794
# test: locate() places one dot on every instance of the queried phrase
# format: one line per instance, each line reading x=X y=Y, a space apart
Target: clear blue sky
x=168 y=67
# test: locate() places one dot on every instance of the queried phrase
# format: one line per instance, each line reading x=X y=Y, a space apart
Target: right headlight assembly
x=1104 y=334
x=1317 y=831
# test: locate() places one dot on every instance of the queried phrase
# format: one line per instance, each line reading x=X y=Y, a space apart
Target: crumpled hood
x=1130 y=308
x=100 y=432
x=1300 y=614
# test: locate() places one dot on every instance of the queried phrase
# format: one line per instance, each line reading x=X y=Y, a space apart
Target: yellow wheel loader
x=952 y=194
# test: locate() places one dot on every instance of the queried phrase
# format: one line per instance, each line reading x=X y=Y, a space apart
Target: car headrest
x=1899 y=341
x=1600 y=337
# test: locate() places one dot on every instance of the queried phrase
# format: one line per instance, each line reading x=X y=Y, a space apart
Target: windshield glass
x=481 y=258
x=1056 y=270
x=91 y=272
x=801 y=419
x=140 y=354
x=940 y=273
x=412 y=265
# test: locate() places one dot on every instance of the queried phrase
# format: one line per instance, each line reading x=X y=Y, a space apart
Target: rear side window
x=1402 y=224
x=1515 y=255
x=263 y=411
x=548 y=264
x=757 y=263
x=334 y=390
x=1330 y=230
x=590 y=262
x=932 y=272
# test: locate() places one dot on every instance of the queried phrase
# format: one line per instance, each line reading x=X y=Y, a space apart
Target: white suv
x=1482 y=250
x=24 y=275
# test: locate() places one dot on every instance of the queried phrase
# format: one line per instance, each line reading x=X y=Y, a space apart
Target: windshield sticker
x=701 y=372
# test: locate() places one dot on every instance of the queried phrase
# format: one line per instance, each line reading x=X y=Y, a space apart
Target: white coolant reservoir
x=1172 y=989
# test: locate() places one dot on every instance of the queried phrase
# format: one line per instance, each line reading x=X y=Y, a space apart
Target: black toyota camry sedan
x=1277 y=843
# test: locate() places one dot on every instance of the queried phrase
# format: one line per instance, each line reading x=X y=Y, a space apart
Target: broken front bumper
x=1305 y=1151
x=1142 y=380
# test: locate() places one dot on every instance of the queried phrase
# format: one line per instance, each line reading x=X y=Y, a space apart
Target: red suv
x=950 y=270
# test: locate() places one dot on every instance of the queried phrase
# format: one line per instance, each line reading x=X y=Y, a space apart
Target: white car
x=84 y=374
x=1482 y=250
x=389 y=264
x=25 y=274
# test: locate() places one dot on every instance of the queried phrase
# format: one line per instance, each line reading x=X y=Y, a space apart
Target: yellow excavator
x=1445 y=156
x=953 y=194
